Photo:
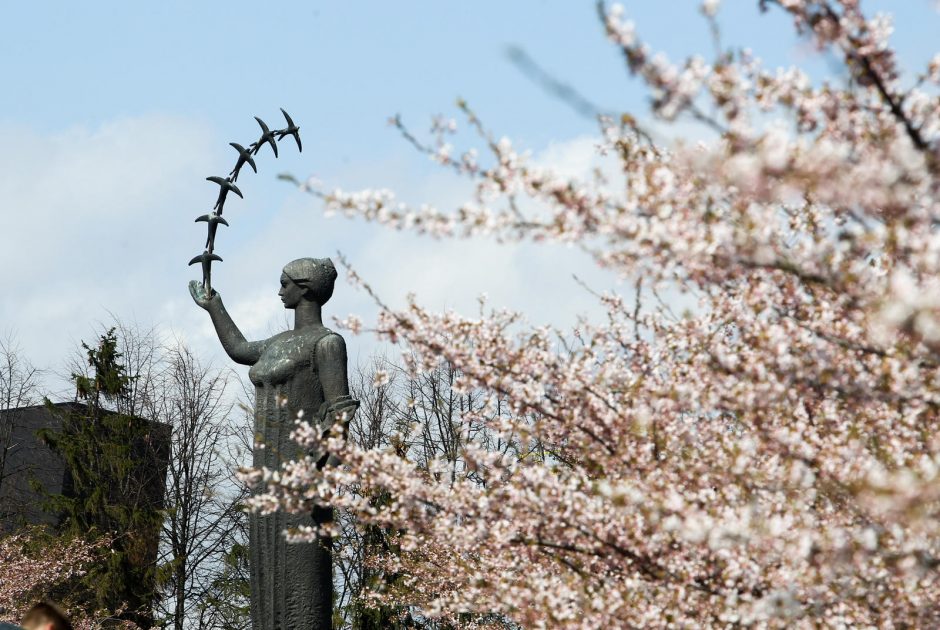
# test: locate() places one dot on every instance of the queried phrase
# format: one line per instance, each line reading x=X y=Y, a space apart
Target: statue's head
x=307 y=279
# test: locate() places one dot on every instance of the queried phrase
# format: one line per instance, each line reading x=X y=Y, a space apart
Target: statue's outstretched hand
x=198 y=291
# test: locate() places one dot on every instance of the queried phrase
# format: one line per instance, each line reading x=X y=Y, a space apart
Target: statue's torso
x=285 y=355
x=286 y=378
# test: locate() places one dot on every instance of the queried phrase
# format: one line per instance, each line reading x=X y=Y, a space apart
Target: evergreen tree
x=113 y=485
x=225 y=604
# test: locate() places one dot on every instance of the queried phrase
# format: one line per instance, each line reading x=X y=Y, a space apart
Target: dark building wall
x=29 y=461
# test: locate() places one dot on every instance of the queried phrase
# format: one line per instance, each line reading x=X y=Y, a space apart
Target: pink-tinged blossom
x=710 y=7
x=933 y=69
x=352 y=323
x=30 y=571
x=381 y=378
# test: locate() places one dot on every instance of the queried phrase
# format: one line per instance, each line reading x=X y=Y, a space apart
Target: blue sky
x=114 y=112
x=343 y=67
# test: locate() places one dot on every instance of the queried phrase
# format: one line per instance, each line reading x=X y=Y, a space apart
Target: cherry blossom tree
x=769 y=458
x=37 y=566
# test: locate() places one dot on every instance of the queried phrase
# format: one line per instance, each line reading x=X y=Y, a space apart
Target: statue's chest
x=282 y=360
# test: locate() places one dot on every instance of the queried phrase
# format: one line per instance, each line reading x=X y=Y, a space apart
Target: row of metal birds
x=227 y=184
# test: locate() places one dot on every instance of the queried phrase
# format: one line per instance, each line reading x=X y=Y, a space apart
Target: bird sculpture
x=225 y=185
x=267 y=136
x=206 y=259
x=291 y=130
x=213 y=220
x=244 y=157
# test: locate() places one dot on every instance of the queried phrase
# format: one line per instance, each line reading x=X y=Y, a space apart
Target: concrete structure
x=31 y=465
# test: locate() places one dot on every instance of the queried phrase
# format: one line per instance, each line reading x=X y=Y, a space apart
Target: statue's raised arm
x=233 y=341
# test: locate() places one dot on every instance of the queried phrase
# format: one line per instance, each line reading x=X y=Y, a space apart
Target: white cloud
x=574 y=158
x=90 y=224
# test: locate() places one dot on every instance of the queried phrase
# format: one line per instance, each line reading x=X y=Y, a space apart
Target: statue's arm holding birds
x=233 y=341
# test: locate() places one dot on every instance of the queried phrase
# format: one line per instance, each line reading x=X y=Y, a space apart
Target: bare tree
x=204 y=527
x=19 y=387
x=142 y=356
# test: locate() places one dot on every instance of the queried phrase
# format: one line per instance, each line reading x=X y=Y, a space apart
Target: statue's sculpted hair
x=316 y=275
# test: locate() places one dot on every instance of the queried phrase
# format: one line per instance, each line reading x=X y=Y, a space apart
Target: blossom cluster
x=35 y=566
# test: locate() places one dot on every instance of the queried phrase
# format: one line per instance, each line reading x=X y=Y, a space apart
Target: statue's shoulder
x=330 y=344
x=314 y=339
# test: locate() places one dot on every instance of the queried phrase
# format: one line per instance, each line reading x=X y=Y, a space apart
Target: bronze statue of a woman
x=299 y=370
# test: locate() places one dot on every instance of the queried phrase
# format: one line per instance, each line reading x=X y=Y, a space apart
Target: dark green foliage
x=113 y=484
x=225 y=604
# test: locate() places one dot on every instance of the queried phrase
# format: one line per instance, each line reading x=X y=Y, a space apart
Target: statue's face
x=291 y=293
